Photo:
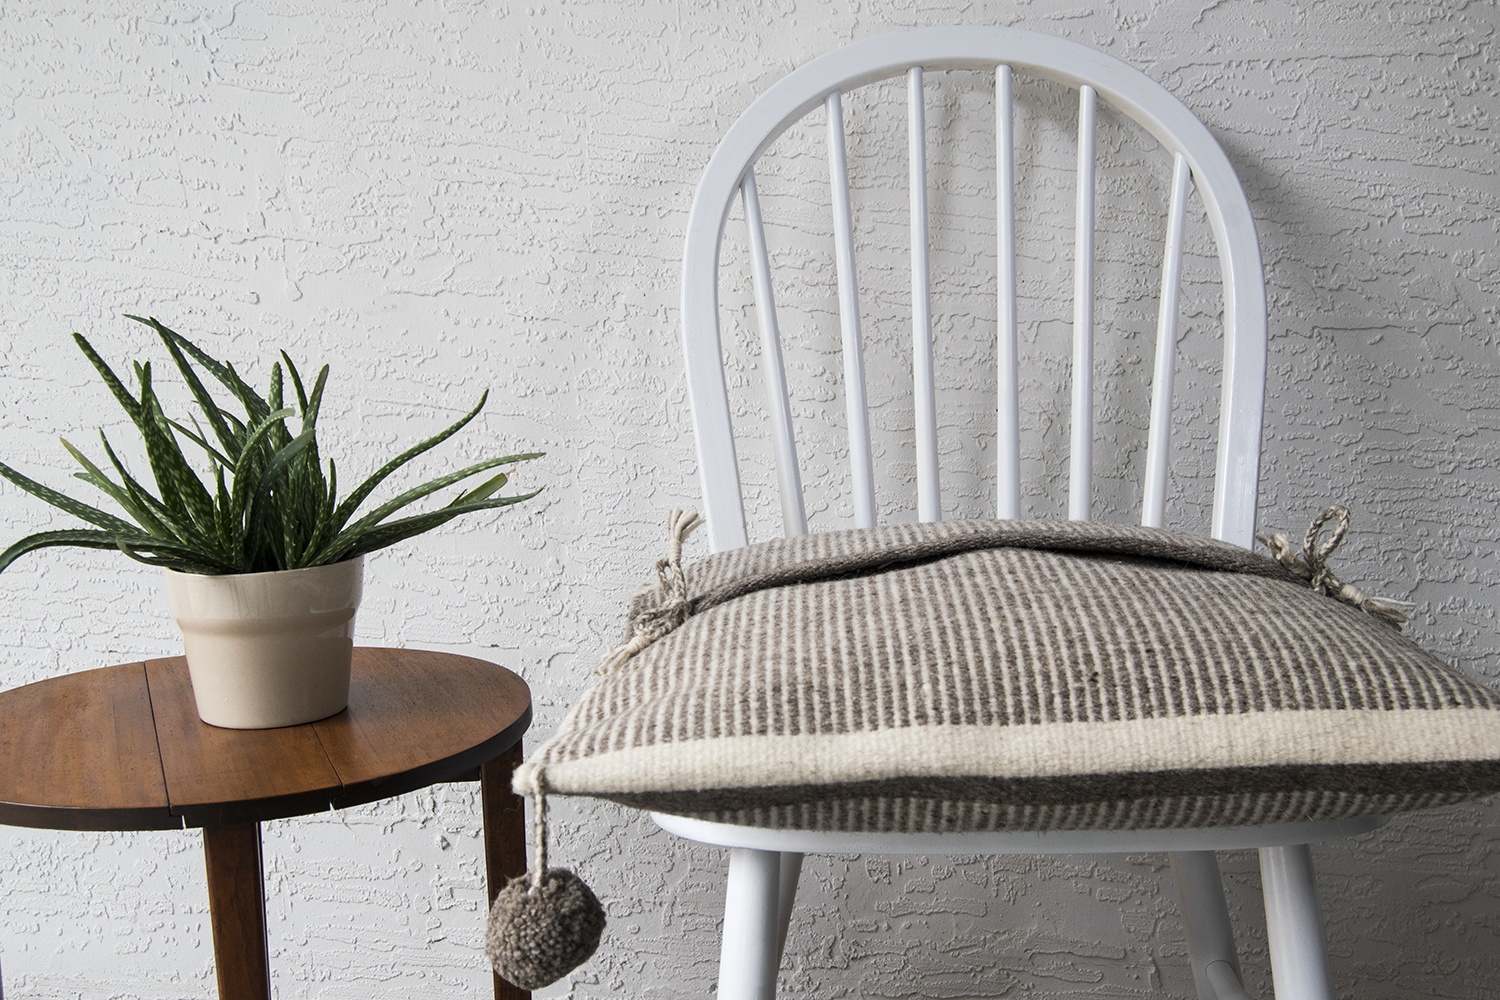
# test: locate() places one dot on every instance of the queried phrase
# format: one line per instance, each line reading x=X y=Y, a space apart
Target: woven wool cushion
x=1015 y=675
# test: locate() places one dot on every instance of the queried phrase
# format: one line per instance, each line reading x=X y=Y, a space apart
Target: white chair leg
x=1294 y=926
x=791 y=871
x=750 y=954
x=1205 y=921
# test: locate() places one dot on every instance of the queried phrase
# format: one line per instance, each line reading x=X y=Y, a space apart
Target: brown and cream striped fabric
x=989 y=675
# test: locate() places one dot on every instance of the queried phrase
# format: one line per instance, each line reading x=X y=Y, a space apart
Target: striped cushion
x=1013 y=675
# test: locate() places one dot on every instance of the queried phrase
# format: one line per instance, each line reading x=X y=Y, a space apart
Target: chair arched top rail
x=1124 y=88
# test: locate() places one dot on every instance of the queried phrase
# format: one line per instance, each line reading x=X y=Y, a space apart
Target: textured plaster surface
x=439 y=197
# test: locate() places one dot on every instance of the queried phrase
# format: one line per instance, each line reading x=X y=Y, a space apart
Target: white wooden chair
x=764 y=864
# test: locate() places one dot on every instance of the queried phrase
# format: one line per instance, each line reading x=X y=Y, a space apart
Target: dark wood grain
x=417 y=717
x=78 y=752
x=220 y=776
x=504 y=838
x=237 y=903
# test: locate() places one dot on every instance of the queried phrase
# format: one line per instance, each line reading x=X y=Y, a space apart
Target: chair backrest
x=1002 y=51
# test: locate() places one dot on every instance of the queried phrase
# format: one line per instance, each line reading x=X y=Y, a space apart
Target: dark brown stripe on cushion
x=932 y=815
x=1465 y=779
x=832 y=555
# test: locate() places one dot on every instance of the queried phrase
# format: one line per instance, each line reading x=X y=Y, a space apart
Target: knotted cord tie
x=1312 y=566
x=541 y=928
x=652 y=625
x=536 y=791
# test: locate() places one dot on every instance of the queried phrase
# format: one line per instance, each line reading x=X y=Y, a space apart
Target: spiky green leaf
x=86 y=539
x=382 y=535
x=206 y=403
x=116 y=387
x=179 y=486
x=67 y=504
x=223 y=373
x=95 y=477
x=483 y=491
x=432 y=486
x=351 y=504
x=247 y=472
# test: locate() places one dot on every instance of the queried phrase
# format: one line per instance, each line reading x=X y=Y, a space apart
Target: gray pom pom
x=537 y=937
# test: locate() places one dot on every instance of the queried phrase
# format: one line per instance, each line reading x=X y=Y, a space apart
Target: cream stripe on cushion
x=1052 y=750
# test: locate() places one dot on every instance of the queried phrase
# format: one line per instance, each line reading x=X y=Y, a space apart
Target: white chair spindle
x=1080 y=481
x=924 y=400
x=1159 y=437
x=779 y=407
x=1008 y=411
x=861 y=463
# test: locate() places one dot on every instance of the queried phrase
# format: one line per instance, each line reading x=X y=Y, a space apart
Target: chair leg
x=791 y=871
x=750 y=956
x=1205 y=921
x=1294 y=926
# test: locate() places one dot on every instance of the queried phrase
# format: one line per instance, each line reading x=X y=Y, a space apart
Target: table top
x=122 y=747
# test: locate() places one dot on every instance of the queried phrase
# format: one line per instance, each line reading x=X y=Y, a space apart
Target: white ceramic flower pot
x=268 y=649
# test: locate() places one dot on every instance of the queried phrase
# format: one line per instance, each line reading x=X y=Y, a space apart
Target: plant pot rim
x=264 y=573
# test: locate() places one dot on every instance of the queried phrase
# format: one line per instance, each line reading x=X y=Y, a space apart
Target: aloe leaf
x=165 y=524
x=273 y=395
x=266 y=426
x=418 y=492
x=63 y=502
x=196 y=436
x=247 y=471
x=255 y=407
x=180 y=558
x=224 y=523
x=225 y=374
x=315 y=401
x=352 y=502
x=205 y=402
x=268 y=475
x=296 y=381
x=95 y=477
x=87 y=539
x=116 y=387
x=279 y=434
x=107 y=374
x=323 y=524
x=236 y=425
x=156 y=449
x=352 y=543
x=282 y=458
x=310 y=420
x=178 y=484
x=483 y=491
x=79 y=537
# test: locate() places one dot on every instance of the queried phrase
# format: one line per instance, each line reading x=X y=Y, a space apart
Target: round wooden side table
x=122 y=748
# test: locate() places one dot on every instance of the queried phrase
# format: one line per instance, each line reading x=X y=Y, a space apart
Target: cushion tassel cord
x=1312 y=566
x=548 y=922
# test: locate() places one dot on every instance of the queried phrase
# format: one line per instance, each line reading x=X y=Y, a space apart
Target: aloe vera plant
x=269 y=504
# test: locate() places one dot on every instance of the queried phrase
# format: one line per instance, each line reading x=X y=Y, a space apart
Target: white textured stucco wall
x=438 y=197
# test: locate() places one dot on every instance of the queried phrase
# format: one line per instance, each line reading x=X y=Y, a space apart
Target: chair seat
x=1227 y=838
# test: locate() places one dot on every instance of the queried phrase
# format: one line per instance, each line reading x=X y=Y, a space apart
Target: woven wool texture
x=989 y=675
x=538 y=934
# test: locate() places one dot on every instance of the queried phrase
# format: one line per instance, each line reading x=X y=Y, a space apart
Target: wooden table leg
x=504 y=838
x=237 y=906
